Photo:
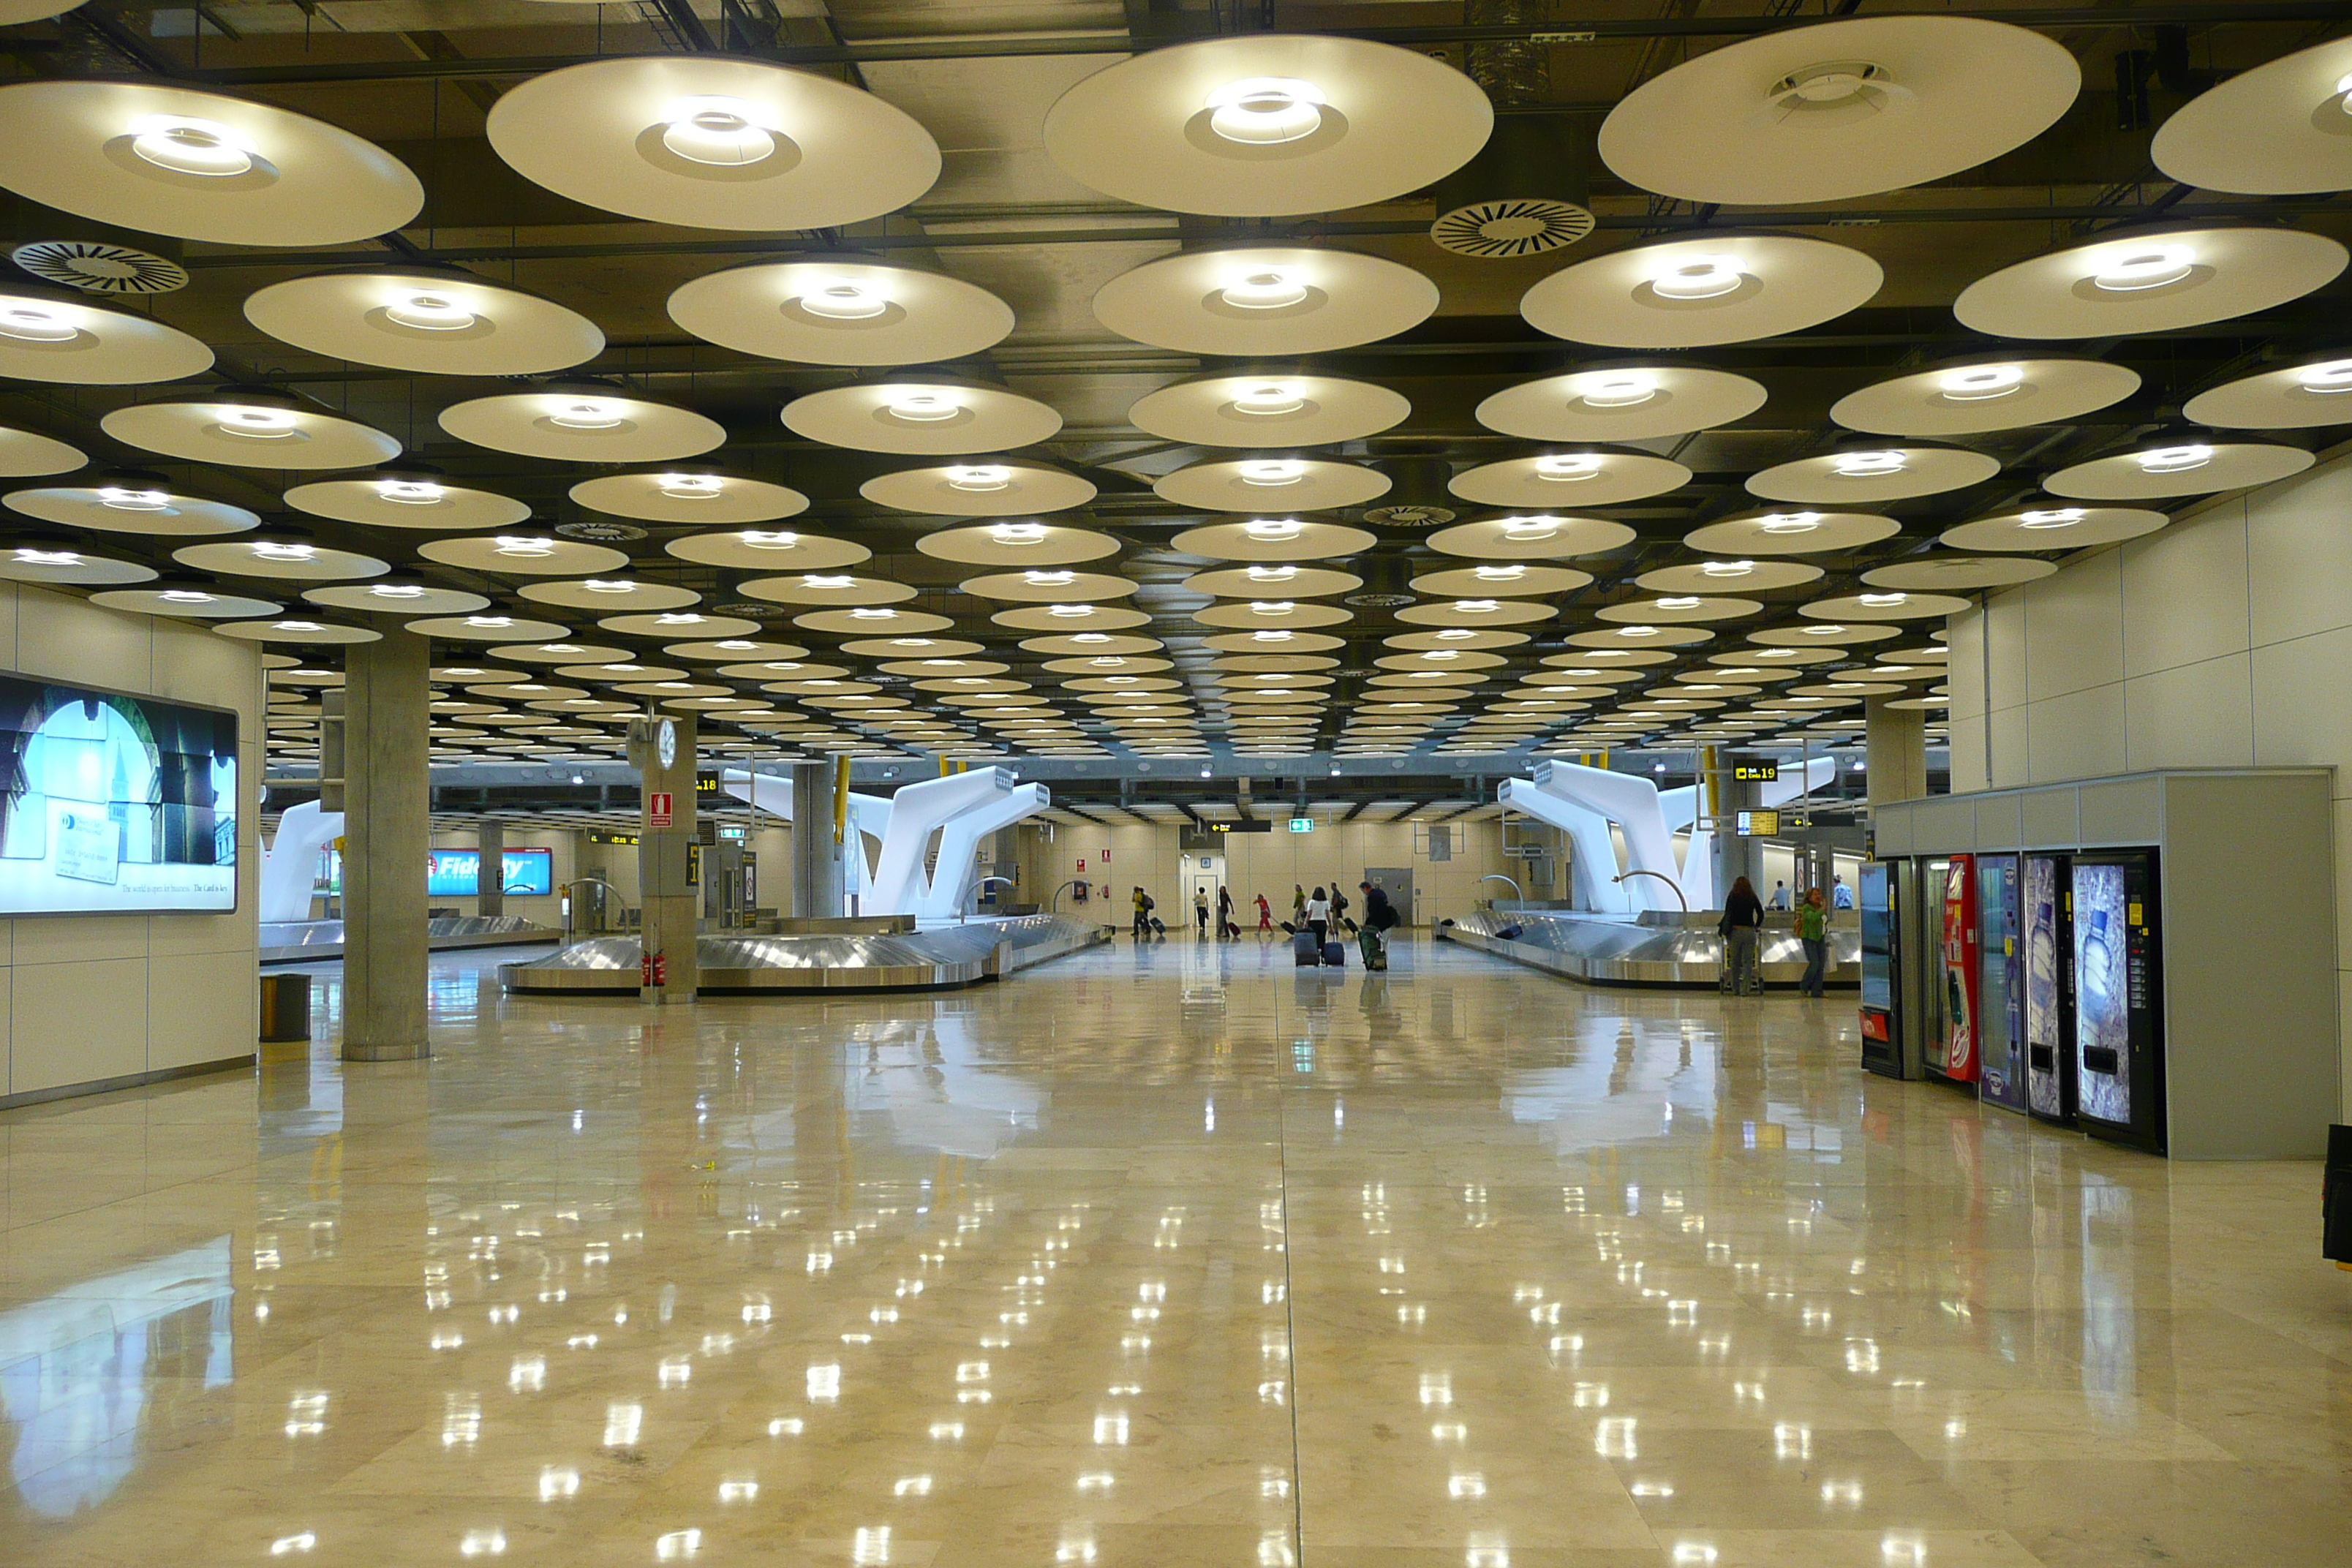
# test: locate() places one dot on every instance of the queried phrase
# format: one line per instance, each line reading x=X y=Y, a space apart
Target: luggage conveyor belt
x=309 y=942
x=1656 y=950
x=942 y=958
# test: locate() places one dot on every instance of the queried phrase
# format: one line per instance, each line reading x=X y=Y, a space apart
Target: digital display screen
x=114 y=803
x=523 y=873
x=2101 y=993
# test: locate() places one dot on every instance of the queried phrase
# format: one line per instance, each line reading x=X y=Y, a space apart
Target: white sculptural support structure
x=1652 y=880
x=1681 y=810
x=1593 y=855
x=290 y=866
x=960 y=807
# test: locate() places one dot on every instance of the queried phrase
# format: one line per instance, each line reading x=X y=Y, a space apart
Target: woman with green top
x=1813 y=930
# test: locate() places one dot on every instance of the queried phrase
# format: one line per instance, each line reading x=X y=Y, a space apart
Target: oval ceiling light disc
x=1968 y=398
x=874 y=621
x=1067 y=618
x=63 y=562
x=1092 y=645
x=1620 y=402
x=1272 y=539
x=169 y=159
x=1895 y=605
x=1570 y=478
x=989 y=486
x=2293 y=397
x=709 y=143
x=51 y=334
x=926 y=416
x=2150 y=281
x=412 y=598
x=2055 y=528
x=1285 y=581
x=1017 y=544
x=825 y=588
x=436 y=321
x=587 y=423
x=397 y=500
x=1272 y=481
x=1273 y=408
x=769 y=550
x=25 y=455
x=1235 y=615
x=1839 y=109
x=1268 y=125
x=288 y=560
x=1958 y=573
x=1265 y=301
x=131 y=503
x=1817 y=643
x=14 y=12
x=2185 y=465
x=1727 y=576
x=1641 y=636
x=1790 y=534
x=1688 y=293
x=848 y=310
x=1515 y=580
x=1679 y=609
x=620 y=595
x=249 y=431
x=1047 y=587
x=1866 y=475
x=487 y=628
x=689 y=495
x=2280 y=129
x=1534 y=537
x=189 y=603
x=524 y=555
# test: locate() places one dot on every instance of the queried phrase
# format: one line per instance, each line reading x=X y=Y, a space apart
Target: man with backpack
x=1143 y=907
x=1380 y=916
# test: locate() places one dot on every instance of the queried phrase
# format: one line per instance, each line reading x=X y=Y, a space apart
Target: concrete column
x=669 y=897
x=489 y=879
x=817 y=863
x=387 y=796
x=1897 y=752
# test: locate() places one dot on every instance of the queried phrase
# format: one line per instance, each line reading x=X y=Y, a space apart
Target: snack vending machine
x=2000 y=1024
x=2119 y=998
x=2049 y=967
x=1882 y=968
x=1957 y=1062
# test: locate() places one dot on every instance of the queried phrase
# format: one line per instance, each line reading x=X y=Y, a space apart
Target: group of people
x=1743 y=924
x=1316 y=911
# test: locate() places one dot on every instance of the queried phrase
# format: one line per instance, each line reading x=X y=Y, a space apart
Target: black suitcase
x=1302 y=950
x=1334 y=955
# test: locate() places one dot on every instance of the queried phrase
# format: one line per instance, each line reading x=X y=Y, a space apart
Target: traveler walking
x=1227 y=929
x=1813 y=930
x=1841 y=895
x=1142 y=914
x=1339 y=921
x=1742 y=922
x=1319 y=917
x=1297 y=906
x=1200 y=913
x=1379 y=918
x=1780 y=895
x=1264 y=915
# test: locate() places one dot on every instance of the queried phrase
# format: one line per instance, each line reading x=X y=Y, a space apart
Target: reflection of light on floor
x=79 y=1371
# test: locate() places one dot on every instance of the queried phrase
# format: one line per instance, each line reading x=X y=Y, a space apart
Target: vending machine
x=2118 y=994
x=1883 y=1020
x=1958 y=1062
x=2048 y=899
x=2000 y=959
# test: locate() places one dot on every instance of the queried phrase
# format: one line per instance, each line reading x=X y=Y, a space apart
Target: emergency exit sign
x=1302 y=824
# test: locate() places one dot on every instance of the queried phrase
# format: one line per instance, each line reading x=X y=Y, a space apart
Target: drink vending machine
x=1958 y=1062
x=1882 y=969
x=2047 y=904
x=2000 y=963
x=2118 y=1039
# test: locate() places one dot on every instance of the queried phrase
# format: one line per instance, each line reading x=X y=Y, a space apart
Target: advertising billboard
x=523 y=873
x=114 y=804
x=2101 y=993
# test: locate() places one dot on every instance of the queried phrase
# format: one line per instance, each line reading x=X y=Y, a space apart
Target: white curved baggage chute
x=289 y=864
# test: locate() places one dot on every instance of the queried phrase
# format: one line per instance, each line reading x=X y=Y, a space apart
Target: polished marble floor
x=1166 y=1257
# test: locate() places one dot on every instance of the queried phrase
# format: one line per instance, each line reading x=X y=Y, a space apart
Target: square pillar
x=816 y=853
x=489 y=875
x=669 y=892
x=387 y=797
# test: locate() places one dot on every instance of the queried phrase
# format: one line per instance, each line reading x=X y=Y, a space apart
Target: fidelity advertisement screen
x=525 y=873
x=114 y=804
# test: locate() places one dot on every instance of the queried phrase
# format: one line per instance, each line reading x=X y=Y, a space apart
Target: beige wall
x=2221 y=641
x=88 y=999
x=1268 y=863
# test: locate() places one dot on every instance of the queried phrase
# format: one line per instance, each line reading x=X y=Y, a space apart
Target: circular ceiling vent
x=96 y=267
x=1409 y=514
x=755 y=610
x=1518 y=225
x=600 y=532
x=1378 y=599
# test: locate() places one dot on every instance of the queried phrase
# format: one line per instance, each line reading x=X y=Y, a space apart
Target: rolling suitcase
x=1302 y=950
x=1334 y=955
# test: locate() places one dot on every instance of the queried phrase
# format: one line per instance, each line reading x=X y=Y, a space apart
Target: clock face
x=666 y=743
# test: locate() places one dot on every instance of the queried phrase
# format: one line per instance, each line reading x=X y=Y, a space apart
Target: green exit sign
x=1302 y=824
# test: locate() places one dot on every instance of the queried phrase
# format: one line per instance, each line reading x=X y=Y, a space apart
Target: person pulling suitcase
x=1379 y=918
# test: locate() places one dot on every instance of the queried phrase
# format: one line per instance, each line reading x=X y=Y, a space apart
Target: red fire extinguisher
x=653 y=970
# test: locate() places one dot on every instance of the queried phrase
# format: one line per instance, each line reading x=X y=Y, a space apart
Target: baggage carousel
x=309 y=941
x=1666 y=951
x=942 y=957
